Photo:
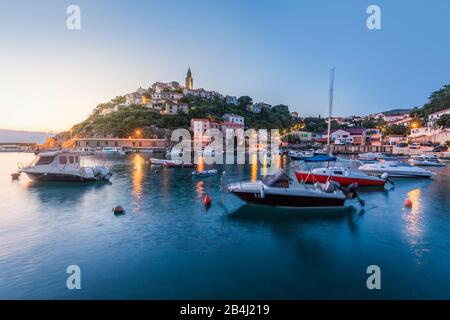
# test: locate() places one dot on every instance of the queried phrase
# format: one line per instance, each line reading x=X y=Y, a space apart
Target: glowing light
x=137 y=177
x=254 y=169
x=200 y=164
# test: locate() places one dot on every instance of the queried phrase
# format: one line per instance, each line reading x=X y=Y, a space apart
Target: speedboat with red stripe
x=341 y=175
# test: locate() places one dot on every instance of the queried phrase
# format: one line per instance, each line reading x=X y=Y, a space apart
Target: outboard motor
x=351 y=193
x=385 y=176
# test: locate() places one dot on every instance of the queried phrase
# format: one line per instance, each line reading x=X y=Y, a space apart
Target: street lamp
x=138 y=133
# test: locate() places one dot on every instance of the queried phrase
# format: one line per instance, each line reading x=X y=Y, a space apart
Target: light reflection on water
x=166 y=241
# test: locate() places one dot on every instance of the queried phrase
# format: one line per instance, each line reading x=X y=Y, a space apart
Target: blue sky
x=274 y=51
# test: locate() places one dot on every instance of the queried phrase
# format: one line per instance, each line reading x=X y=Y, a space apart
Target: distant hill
x=16 y=136
x=396 y=111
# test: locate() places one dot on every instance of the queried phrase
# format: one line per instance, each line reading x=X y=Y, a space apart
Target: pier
x=356 y=149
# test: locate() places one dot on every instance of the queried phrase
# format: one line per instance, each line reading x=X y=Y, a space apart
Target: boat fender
x=408 y=203
x=207 y=200
x=118 y=210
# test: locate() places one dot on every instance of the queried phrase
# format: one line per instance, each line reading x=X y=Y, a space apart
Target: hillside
x=126 y=120
x=437 y=101
x=396 y=111
x=20 y=136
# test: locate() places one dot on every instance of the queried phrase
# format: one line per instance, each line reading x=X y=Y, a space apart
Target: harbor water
x=169 y=246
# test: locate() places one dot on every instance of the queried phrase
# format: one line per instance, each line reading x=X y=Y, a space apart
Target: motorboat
x=396 y=169
x=85 y=151
x=10 y=148
x=426 y=160
x=205 y=173
x=63 y=167
x=112 y=151
x=301 y=155
x=277 y=190
x=157 y=161
x=176 y=163
x=370 y=156
x=341 y=175
x=322 y=152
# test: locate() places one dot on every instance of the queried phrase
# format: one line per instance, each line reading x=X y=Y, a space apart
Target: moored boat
x=63 y=167
x=277 y=190
x=341 y=175
x=111 y=151
x=426 y=160
x=395 y=169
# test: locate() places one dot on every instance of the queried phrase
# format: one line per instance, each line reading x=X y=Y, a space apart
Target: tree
x=396 y=130
x=444 y=121
x=244 y=101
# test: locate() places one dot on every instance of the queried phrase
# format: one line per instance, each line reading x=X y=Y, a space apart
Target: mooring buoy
x=118 y=210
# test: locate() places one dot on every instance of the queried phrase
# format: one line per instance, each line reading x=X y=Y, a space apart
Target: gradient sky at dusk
x=274 y=51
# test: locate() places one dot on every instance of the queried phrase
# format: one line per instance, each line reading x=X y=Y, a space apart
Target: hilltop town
x=154 y=112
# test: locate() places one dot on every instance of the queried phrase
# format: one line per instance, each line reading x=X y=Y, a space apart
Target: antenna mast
x=330 y=107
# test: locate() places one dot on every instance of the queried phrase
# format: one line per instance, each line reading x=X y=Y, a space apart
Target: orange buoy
x=207 y=200
x=408 y=202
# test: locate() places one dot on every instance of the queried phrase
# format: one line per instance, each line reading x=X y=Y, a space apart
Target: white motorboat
x=112 y=151
x=10 y=148
x=157 y=161
x=341 y=175
x=301 y=155
x=370 y=156
x=426 y=160
x=277 y=190
x=63 y=167
x=85 y=151
x=395 y=169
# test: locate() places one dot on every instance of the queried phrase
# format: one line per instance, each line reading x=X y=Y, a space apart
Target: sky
x=277 y=51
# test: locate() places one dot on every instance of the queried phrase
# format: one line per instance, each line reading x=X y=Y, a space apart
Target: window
x=44 y=160
x=71 y=159
x=62 y=160
x=87 y=143
x=98 y=143
x=77 y=159
x=106 y=143
x=116 y=144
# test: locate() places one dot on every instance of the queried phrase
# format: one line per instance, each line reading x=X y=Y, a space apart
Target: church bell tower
x=189 y=80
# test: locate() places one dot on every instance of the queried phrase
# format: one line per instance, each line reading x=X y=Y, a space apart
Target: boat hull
x=58 y=177
x=342 y=180
x=395 y=174
x=289 y=200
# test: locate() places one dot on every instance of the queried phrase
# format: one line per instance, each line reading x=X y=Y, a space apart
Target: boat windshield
x=43 y=160
x=280 y=180
x=400 y=164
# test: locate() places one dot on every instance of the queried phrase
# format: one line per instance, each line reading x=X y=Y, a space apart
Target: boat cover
x=319 y=158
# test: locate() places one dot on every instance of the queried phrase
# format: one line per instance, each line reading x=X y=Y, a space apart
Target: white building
x=231 y=100
x=173 y=107
x=434 y=117
x=257 y=107
x=199 y=126
x=233 y=118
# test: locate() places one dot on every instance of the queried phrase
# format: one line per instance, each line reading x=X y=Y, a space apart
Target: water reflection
x=137 y=178
x=414 y=227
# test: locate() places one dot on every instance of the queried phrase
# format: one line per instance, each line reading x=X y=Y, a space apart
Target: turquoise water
x=168 y=246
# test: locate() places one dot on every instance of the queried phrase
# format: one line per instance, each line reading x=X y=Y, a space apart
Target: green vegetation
x=444 y=121
x=438 y=100
x=396 y=130
x=126 y=120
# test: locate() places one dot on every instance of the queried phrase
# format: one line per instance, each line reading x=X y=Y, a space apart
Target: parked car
x=402 y=145
x=427 y=144
x=440 y=149
x=414 y=145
